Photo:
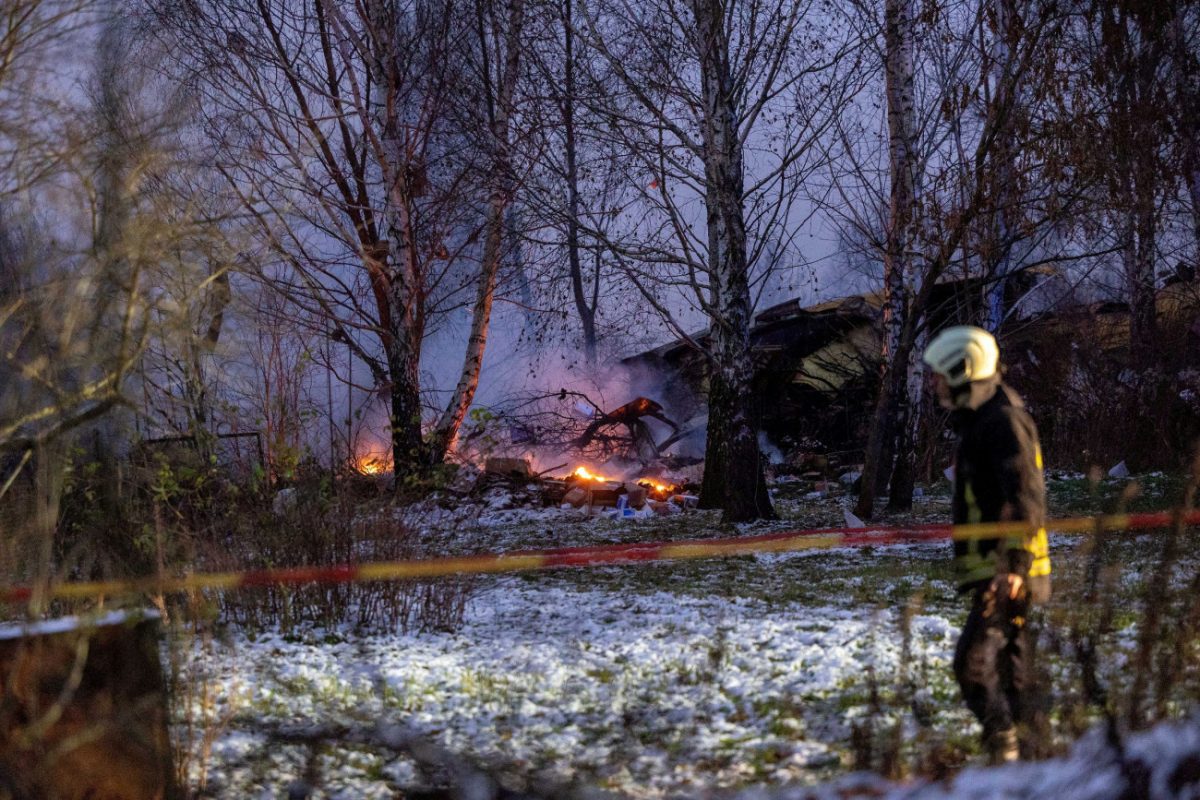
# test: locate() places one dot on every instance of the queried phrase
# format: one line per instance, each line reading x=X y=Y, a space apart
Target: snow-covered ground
x=711 y=678
x=1160 y=764
x=647 y=694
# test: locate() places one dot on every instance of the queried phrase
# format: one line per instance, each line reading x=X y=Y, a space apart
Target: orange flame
x=660 y=489
x=585 y=474
x=372 y=464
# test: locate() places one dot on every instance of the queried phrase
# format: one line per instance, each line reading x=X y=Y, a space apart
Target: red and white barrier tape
x=529 y=560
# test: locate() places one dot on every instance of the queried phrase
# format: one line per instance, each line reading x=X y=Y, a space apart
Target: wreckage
x=632 y=415
x=585 y=488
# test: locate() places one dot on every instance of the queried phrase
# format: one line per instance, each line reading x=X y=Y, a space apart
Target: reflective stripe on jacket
x=998 y=477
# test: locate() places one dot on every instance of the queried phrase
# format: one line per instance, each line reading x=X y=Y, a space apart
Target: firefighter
x=997 y=478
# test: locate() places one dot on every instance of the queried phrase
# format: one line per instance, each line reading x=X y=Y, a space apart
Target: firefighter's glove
x=1006 y=599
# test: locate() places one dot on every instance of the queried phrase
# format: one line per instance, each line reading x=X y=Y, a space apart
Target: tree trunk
x=1187 y=102
x=404 y=324
x=586 y=311
x=395 y=258
x=403 y=353
x=1143 y=213
x=1004 y=187
x=911 y=423
x=898 y=250
x=442 y=439
x=733 y=474
x=446 y=431
x=1140 y=280
x=878 y=455
x=1135 y=121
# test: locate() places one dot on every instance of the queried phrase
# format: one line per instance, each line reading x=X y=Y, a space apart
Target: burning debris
x=632 y=415
x=585 y=488
x=568 y=427
x=588 y=489
x=373 y=464
x=660 y=491
x=638 y=435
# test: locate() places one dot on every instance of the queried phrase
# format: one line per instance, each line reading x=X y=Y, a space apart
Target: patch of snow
x=50 y=627
x=1158 y=764
x=538 y=674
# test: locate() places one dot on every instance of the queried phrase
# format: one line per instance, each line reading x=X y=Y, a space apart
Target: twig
x=11 y=478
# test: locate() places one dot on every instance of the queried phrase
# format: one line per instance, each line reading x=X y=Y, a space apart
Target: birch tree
x=346 y=133
x=499 y=50
x=998 y=258
x=698 y=85
x=1127 y=44
x=899 y=237
x=942 y=163
x=1185 y=68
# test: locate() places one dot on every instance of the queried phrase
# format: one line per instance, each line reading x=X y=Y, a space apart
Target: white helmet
x=962 y=354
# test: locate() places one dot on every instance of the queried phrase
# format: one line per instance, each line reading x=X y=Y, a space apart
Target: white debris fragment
x=851 y=520
x=1119 y=471
x=686 y=500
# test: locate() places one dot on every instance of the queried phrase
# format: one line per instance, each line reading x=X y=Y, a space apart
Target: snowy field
x=654 y=681
x=646 y=693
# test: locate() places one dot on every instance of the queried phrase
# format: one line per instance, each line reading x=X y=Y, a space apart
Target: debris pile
x=585 y=488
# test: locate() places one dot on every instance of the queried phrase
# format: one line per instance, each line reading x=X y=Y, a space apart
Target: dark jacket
x=998 y=478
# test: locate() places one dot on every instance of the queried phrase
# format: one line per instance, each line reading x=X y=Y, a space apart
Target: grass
x=1082 y=496
x=820 y=583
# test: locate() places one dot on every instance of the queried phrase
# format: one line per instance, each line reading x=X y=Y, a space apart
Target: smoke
x=547 y=375
x=767 y=448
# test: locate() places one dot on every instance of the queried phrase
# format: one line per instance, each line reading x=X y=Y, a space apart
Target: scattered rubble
x=506 y=483
x=631 y=415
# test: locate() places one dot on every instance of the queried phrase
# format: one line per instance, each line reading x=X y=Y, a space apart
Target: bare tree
x=942 y=179
x=1185 y=67
x=578 y=183
x=699 y=85
x=498 y=54
x=341 y=130
x=76 y=318
x=899 y=236
x=82 y=301
x=1127 y=44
